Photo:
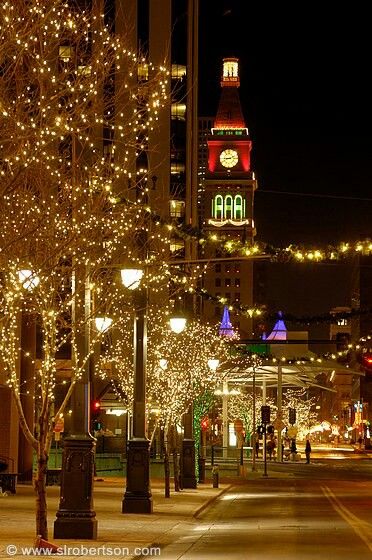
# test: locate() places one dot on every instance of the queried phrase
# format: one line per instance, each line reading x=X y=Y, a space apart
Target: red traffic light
x=367 y=362
x=96 y=405
x=205 y=424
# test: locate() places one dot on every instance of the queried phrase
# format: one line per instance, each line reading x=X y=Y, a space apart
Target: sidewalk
x=116 y=530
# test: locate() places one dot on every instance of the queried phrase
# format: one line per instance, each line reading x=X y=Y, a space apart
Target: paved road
x=318 y=517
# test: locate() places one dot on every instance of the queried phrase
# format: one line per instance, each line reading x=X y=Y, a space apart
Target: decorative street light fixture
x=28 y=279
x=131 y=277
x=137 y=497
x=103 y=323
x=177 y=323
x=213 y=364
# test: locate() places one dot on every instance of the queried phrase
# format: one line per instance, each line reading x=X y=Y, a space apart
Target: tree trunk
x=40 y=490
x=166 y=474
x=176 y=470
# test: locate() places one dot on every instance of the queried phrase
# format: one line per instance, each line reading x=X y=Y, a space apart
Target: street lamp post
x=138 y=497
x=254 y=430
x=75 y=516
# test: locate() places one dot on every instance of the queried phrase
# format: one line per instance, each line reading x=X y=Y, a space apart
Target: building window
x=237 y=282
x=84 y=70
x=177 y=208
x=228 y=296
x=176 y=245
x=217 y=282
x=143 y=71
x=237 y=268
x=228 y=267
x=218 y=207
x=238 y=207
x=228 y=207
x=342 y=322
x=178 y=71
x=217 y=311
x=178 y=111
x=217 y=267
x=227 y=282
x=65 y=53
x=177 y=167
x=237 y=296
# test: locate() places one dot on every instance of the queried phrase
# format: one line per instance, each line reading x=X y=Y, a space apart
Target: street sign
x=278 y=424
x=292 y=432
x=59 y=426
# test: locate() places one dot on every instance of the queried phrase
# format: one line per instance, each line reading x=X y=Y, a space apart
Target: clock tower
x=228 y=202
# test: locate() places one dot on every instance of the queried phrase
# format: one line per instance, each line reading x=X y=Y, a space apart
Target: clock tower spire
x=228 y=197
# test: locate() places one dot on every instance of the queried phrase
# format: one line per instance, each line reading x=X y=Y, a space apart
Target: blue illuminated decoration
x=226 y=328
x=279 y=331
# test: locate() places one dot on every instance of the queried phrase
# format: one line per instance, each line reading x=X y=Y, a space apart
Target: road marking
x=358 y=525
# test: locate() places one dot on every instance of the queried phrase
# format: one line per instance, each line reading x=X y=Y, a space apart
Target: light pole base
x=138 y=497
x=76 y=518
x=188 y=464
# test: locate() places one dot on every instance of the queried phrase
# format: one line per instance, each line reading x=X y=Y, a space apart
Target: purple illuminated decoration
x=226 y=328
x=279 y=331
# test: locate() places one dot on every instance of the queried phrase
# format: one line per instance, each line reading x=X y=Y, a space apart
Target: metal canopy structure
x=300 y=373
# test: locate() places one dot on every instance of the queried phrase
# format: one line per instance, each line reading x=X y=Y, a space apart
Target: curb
x=210 y=501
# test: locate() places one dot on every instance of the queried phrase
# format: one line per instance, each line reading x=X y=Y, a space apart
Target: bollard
x=201 y=469
x=215 y=477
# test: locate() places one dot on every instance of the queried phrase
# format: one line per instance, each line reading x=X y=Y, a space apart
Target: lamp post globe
x=131 y=277
x=177 y=323
x=213 y=364
x=103 y=323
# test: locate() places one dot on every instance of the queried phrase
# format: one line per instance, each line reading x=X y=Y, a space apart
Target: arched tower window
x=218 y=207
x=228 y=207
x=238 y=207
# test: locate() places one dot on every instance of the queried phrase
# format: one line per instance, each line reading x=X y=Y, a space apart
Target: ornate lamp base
x=138 y=497
x=76 y=518
x=188 y=464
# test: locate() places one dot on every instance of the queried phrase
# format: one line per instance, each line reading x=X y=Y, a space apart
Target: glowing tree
x=306 y=415
x=177 y=366
x=66 y=219
x=241 y=406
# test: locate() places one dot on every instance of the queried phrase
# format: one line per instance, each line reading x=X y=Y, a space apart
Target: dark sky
x=305 y=72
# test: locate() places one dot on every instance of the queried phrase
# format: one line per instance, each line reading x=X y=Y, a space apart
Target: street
x=321 y=515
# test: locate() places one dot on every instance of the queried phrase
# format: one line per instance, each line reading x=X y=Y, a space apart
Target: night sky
x=305 y=94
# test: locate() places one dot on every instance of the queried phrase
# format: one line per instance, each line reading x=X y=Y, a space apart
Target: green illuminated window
x=228 y=207
x=218 y=207
x=238 y=207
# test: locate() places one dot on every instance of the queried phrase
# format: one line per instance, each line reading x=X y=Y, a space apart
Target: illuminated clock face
x=229 y=158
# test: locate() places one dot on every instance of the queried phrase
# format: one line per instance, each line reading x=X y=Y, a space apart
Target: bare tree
x=64 y=166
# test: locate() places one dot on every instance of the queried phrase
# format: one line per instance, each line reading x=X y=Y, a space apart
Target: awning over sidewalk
x=301 y=373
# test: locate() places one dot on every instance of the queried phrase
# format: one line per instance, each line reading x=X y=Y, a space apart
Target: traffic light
x=367 y=362
x=265 y=414
x=204 y=423
x=292 y=416
x=95 y=409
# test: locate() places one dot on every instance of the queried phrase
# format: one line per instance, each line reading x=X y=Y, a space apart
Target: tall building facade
x=228 y=202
